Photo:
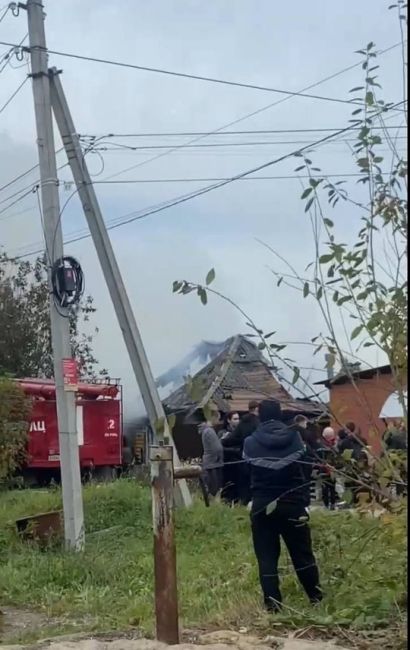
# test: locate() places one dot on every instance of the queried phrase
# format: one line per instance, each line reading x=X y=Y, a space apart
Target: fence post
x=165 y=572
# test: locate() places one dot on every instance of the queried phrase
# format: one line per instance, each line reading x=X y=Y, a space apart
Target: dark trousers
x=329 y=494
x=266 y=531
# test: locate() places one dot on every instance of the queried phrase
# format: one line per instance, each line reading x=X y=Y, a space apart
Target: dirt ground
x=222 y=640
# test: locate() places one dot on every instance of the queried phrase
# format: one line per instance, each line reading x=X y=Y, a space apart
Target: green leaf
x=306 y=289
x=261 y=345
x=296 y=375
x=319 y=294
x=357 y=88
x=279 y=282
x=267 y=336
x=210 y=277
x=171 y=421
x=325 y=259
x=328 y=222
x=343 y=300
x=309 y=204
x=347 y=454
x=176 y=286
x=369 y=98
x=356 y=332
x=271 y=507
x=306 y=192
x=298 y=169
x=203 y=295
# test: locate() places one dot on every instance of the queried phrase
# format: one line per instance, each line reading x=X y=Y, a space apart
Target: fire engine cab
x=99 y=430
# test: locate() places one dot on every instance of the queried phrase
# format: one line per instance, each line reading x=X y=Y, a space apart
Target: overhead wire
x=4 y=14
x=7 y=55
x=114 y=146
x=10 y=99
x=185 y=75
x=244 y=132
x=246 y=116
x=33 y=188
x=210 y=179
x=20 y=176
x=137 y=215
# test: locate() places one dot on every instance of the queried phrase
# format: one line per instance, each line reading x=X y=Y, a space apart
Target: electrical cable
x=195 y=77
x=17 y=178
x=250 y=132
x=210 y=145
x=135 y=216
x=10 y=99
x=16 y=214
x=212 y=180
x=73 y=193
x=4 y=14
x=40 y=209
x=14 y=49
x=31 y=191
x=247 y=115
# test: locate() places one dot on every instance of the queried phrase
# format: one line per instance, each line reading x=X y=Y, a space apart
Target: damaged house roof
x=238 y=374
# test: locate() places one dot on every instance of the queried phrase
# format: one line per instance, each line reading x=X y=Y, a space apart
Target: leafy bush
x=14 y=414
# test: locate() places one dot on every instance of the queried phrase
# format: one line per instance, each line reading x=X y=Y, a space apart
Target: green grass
x=110 y=586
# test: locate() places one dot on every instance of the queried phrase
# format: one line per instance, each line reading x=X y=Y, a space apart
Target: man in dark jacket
x=233 y=443
x=280 y=480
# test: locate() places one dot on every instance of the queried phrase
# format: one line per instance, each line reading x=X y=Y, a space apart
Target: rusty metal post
x=165 y=570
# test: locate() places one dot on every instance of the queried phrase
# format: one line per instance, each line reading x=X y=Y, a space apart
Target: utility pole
x=60 y=328
x=112 y=274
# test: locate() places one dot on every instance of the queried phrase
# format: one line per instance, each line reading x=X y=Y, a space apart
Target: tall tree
x=25 y=342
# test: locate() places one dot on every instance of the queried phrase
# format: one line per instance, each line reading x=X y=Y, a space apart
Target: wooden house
x=237 y=375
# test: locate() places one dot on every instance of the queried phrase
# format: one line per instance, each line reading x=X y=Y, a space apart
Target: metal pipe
x=165 y=571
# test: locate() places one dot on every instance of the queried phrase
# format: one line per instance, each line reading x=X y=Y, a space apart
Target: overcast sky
x=281 y=45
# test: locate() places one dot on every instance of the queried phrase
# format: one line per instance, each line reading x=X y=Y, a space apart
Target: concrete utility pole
x=112 y=274
x=60 y=329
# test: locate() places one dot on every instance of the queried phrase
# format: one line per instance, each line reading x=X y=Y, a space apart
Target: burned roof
x=237 y=375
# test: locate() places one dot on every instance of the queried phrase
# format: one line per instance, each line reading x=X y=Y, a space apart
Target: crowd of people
x=260 y=461
x=227 y=473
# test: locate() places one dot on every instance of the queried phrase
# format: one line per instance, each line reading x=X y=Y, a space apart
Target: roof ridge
x=222 y=374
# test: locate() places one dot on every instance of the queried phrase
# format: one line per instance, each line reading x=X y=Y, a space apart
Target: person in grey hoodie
x=213 y=454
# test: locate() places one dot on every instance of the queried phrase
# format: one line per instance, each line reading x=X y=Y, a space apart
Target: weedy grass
x=110 y=585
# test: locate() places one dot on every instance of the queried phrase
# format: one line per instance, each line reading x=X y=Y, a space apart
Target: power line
x=20 y=176
x=17 y=178
x=250 y=132
x=209 y=180
x=238 y=120
x=185 y=75
x=135 y=216
x=17 y=214
x=4 y=14
x=10 y=99
x=7 y=55
x=18 y=200
x=114 y=146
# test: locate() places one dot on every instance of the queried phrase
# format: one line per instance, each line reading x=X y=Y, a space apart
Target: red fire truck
x=99 y=430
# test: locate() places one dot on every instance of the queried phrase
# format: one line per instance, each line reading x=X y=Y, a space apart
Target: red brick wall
x=362 y=404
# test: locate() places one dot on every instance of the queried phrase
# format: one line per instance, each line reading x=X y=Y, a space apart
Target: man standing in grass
x=280 y=480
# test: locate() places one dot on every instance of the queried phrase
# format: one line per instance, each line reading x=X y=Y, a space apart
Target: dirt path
x=223 y=640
